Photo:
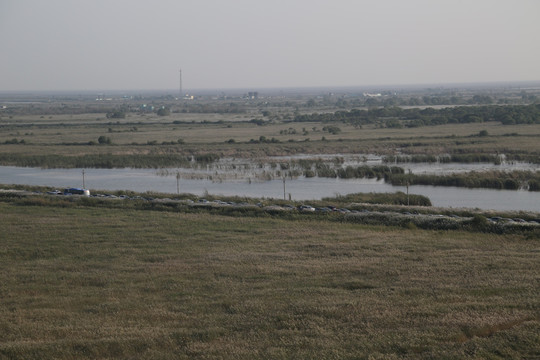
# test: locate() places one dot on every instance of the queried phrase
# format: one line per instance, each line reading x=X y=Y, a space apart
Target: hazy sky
x=136 y=44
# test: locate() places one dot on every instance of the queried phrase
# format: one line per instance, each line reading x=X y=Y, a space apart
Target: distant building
x=253 y=95
x=146 y=108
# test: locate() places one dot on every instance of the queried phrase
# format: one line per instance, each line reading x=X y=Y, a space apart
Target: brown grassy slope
x=103 y=283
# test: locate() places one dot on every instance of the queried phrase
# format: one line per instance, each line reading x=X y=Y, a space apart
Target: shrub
x=309 y=173
x=116 y=114
x=163 y=111
x=104 y=140
x=479 y=222
x=534 y=185
x=511 y=184
x=483 y=133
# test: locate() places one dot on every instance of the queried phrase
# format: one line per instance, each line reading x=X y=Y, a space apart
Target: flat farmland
x=81 y=282
x=236 y=135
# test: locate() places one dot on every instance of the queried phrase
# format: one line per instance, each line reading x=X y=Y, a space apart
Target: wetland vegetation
x=172 y=277
x=82 y=132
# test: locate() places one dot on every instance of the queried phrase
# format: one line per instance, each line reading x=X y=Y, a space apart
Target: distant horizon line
x=174 y=92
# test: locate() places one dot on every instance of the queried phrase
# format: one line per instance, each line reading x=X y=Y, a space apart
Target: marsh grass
x=146 y=137
x=119 y=283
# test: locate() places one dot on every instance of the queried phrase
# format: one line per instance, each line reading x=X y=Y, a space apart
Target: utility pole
x=181 y=95
x=407 y=193
x=83 y=185
x=408 y=183
x=284 y=196
x=178 y=182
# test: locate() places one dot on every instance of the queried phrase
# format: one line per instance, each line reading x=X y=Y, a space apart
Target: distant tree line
x=230 y=108
x=396 y=116
x=388 y=99
x=61 y=109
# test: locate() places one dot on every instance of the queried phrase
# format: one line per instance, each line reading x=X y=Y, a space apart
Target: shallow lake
x=301 y=188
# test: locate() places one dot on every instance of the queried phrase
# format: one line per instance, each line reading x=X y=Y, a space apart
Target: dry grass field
x=104 y=283
x=233 y=135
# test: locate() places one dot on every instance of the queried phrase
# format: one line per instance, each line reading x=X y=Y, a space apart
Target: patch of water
x=299 y=188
